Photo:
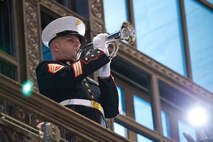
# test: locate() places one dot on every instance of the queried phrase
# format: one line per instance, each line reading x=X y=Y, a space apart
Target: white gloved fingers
x=106 y=49
x=101 y=36
x=100 y=40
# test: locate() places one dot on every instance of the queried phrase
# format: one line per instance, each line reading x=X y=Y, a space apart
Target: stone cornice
x=152 y=67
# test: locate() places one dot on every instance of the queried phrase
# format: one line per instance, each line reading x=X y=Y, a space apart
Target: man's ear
x=55 y=47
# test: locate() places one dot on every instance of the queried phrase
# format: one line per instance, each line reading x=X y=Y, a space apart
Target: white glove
x=104 y=71
x=100 y=42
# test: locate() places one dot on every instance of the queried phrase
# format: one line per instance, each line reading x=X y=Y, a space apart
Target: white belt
x=83 y=102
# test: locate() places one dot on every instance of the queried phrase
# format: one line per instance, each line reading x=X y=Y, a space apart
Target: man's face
x=67 y=47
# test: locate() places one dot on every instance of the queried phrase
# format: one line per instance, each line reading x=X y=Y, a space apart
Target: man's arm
x=75 y=72
x=109 y=96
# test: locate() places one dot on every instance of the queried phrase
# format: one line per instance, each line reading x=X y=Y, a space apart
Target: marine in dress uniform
x=67 y=81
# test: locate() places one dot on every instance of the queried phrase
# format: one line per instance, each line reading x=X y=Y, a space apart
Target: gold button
x=89 y=90
x=68 y=63
x=86 y=84
x=98 y=51
x=86 y=59
x=92 y=97
x=92 y=55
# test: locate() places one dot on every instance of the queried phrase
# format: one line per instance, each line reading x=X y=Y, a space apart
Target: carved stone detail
x=56 y=7
x=9 y=108
x=2 y=106
x=33 y=120
x=97 y=8
x=19 y=113
x=32 y=39
x=9 y=135
x=96 y=28
x=7 y=132
x=140 y=57
x=96 y=17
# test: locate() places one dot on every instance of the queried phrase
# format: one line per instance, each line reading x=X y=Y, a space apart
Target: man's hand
x=104 y=71
x=100 y=42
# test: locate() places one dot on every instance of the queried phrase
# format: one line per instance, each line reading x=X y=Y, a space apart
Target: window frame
x=129 y=91
x=13 y=60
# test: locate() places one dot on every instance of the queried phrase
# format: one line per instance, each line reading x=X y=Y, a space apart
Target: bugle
x=126 y=34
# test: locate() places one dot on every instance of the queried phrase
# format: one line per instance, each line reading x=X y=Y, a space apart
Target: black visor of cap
x=81 y=38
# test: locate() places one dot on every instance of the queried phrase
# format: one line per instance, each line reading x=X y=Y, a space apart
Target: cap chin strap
x=66 y=33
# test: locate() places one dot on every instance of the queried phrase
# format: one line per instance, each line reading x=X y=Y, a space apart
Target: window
x=46 y=53
x=78 y=6
x=143 y=112
x=165 y=124
x=115 y=14
x=158 y=32
x=183 y=127
x=121 y=101
x=131 y=81
x=210 y=1
x=132 y=106
x=45 y=20
x=8 y=69
x=143 y=139
x=200 y=32
x=119 y=129
x=173 y=104
x=6 y=28
x=8 y=62
x=66 y=3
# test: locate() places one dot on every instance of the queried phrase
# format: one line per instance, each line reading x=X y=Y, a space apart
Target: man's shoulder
x=43 y=63
x=46 y=64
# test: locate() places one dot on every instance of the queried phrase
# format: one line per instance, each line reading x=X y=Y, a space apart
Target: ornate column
x=32 y=37
x=96 y=17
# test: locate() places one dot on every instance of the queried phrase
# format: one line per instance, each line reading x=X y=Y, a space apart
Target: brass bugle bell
x=126 y=33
